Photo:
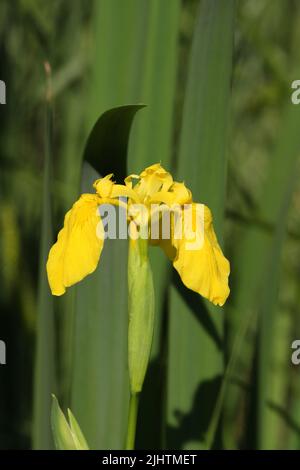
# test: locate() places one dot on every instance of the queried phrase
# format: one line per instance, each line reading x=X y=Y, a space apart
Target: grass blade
x=44 y=382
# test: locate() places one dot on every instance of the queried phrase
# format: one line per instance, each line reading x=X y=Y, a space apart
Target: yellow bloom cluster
x=77 y=251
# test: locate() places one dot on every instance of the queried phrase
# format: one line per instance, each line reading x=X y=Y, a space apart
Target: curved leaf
x=106 y=147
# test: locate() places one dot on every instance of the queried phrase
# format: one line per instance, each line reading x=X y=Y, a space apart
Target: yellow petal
x=153 y=179
x=203 y=269
x=178 y=194
x=130 y=179
x=182 y=195
x=121 y=190
x=164 y=241
x=79 y=244
x=104 y=186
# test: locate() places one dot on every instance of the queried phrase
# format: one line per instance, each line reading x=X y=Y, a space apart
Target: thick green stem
x=132 y=419
x=141 y=312
x=140 y=328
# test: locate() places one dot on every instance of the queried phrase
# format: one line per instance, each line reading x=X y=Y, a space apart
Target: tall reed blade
x=274 y=206
x=44 y=382
x=196 y=330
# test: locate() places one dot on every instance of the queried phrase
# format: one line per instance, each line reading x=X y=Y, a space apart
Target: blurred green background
x=216 y=77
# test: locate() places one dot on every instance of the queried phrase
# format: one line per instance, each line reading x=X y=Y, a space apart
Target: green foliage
x=100 y=329
x=45 y=380
x=67 y=436
x=195 y=329
x=215 y=77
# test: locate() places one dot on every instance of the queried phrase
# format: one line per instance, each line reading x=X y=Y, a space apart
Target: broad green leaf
x=275 y=205
x=151 y=142
x=106 y=147
x=101 y=319
x=140 y=66
x=196 y=330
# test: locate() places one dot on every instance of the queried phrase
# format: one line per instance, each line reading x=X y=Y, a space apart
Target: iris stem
x=132 y=420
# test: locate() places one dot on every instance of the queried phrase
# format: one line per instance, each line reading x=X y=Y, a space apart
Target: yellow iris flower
x=77 y=251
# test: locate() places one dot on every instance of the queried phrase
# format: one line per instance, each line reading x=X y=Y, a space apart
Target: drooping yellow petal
x=198 y=257
x=79 y=244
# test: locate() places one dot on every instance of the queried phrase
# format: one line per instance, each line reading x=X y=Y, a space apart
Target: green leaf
x=66 y=436
x=143 y=36
x=77 y=434
x=228 y=376
x=155 y=75
x=61 y=430
x=101 y=319
x=106 y=147
x=44 y=374
x=275 y=203
x=196 y=329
